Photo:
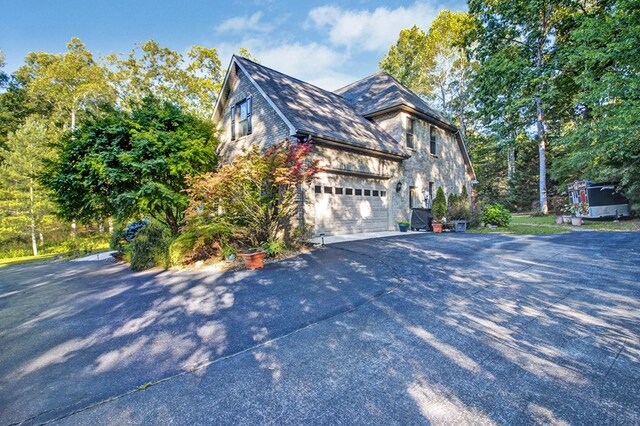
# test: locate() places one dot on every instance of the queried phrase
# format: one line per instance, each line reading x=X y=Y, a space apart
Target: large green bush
x=496 y=214
x=201 y=243
x=149 y=248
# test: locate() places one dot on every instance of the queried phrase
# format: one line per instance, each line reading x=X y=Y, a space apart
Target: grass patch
x=26 y=259
x=527 y=225
x=50 y=256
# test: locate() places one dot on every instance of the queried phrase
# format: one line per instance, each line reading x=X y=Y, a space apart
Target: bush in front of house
x=496 y=214
x=439 y=206
x=201 y=243
x=149 y=247
x=256 y=194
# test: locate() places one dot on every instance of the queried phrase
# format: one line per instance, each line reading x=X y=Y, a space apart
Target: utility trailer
x=602 y=199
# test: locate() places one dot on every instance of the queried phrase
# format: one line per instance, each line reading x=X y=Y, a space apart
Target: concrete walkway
x=105 y=255
x=333 y=239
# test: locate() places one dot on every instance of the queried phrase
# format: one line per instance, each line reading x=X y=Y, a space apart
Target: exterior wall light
x=398 y=186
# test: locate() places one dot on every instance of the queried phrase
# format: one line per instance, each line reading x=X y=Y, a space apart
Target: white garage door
x=349 y=205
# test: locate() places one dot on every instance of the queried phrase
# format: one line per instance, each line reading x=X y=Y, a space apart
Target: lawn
x=63 y=255
x=525 y=224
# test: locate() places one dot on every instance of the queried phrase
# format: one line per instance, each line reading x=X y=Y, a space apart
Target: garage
x=348 y=205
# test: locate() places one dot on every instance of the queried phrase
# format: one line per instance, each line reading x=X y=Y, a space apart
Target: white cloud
x=244 y=23
x=314 y=63
x=370 y=30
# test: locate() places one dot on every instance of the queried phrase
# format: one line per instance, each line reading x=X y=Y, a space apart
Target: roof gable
x=311 y=110
x=381 y=91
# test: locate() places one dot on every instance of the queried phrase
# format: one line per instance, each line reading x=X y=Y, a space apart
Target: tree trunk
x=34 y=242
x=511 y=162
x=542 y=137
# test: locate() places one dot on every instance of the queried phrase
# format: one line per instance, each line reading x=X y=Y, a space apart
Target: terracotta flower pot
x=253 y=260
x=437 y=227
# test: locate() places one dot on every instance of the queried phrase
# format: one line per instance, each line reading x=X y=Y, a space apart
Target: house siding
x=447 y=169
x=268 y=128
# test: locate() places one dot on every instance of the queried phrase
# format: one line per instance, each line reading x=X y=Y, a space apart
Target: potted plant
x=579 y=210
x=253 y=258
x=458 y=212
x=403 y=226
x=439 y=210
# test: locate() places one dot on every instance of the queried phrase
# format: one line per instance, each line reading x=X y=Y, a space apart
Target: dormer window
x=411 y=124
x=241 y=118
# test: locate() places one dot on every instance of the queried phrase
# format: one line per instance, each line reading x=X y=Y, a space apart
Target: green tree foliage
x=152 y=70
x=125 y=164
x=257 y=193
x=408 y=59
x=601 y=141
x=436 y=65
x=24 y=205
x=517 y=49
x=70 y=83
x=439 y=205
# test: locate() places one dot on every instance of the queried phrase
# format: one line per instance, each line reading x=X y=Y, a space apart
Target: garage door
x=349 y=205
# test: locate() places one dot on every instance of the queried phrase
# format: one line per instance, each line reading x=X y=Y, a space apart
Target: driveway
x=452 y=328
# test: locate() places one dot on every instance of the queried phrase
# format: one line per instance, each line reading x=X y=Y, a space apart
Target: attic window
x=411 y=124
x=241 y=118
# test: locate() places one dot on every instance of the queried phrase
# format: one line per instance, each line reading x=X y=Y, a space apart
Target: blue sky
x=328 y=43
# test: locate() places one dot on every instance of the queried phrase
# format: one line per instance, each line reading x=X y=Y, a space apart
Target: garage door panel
x=342 y=211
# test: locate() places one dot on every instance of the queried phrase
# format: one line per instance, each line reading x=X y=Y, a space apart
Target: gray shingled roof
x=319 y=112
x=381 y=91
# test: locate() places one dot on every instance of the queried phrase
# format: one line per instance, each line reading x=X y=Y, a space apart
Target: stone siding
x=268 y=128
x=446 y=169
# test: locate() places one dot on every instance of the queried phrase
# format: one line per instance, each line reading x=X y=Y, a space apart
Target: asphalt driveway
x=454 y=329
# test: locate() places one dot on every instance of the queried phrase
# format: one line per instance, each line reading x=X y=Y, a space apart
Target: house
x=383 y=150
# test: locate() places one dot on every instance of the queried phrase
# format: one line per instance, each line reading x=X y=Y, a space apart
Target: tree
x=258 y=192
x=24 y=201
x=408 y=59
x=71 y=82
x=516 y=47
x=125 y=164
x=153 y=70
x=435 y=65
x=600 y=142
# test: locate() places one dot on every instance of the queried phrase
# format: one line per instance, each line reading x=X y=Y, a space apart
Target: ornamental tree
x=257 y=192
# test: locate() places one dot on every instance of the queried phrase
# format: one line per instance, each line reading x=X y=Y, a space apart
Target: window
x=375 y=192
x=241 y=118
x=358 y=191
x=432 y=140
x=328 y=190
x=338 y=191
x=414 y=198
x=348 y=191
x=411 y=124
x=430 y=194
x=367 y=193
x=318 y=189
x=383 y=193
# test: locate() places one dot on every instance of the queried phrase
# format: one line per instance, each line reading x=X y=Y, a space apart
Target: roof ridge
x=290 y=77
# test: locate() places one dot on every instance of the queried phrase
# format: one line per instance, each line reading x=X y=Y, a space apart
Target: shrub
x=149 y=248
x=273 y=248
x=257 y=192
x=117 y=240
x=181 y=247
x=439 y=205
x=201 y=242
x=496 y=214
